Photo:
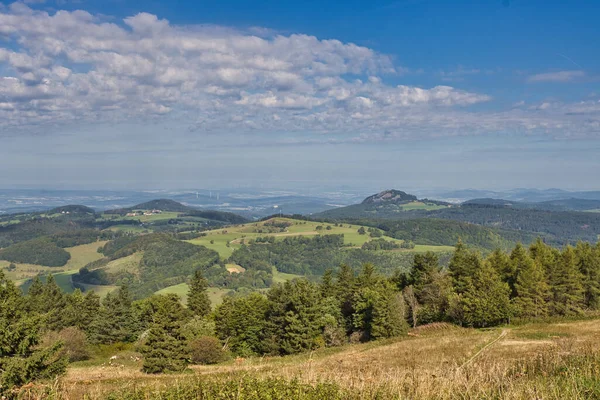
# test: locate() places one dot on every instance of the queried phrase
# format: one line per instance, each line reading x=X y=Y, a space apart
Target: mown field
x=226 y=240
x=80 y=256
x=559 y=360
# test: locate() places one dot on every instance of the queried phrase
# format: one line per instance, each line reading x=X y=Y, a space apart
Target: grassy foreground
x=440 y=361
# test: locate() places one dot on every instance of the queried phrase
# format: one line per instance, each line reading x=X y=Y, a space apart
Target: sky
x=486 y=94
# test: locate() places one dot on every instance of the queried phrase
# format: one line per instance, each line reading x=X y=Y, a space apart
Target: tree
x=53 y=304
x=379 y=311
x=21 y=359
x=566 y=285
x=164 y=348
x=485 y=301
x=462 y=267
x=295 y=316
x=240 y=323
x=361 y=230
x=327 y=285
x=344 y=289
x=424 y=265
x=588 y=263
x=504 y=266
x=531 y=290
x=198 y=301
x=115 y=322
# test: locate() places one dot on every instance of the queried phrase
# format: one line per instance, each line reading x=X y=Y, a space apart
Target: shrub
x=74 y=343
x=206 y=350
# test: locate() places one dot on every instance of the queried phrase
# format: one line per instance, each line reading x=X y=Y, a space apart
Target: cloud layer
x=74 y=67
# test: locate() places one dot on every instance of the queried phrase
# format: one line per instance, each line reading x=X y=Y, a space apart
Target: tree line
x=44 y=329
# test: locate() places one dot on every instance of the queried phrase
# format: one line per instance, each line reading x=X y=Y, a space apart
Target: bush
x=74 y=343
x=206 y=350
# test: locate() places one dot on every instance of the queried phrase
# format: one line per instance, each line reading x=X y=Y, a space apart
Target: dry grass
x=537 y=361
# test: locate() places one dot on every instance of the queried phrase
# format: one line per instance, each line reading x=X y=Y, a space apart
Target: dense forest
x=46 y=328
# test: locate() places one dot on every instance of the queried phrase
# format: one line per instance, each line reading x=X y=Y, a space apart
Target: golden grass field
x=440 y=361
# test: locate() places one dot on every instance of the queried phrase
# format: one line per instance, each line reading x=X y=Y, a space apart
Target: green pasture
x=214 y=294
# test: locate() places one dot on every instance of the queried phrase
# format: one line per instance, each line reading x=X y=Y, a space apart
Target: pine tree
x=21 y=359
x=198 y=301
x=462 y=267
x=53 y=304
x=327 y=285
x=566 y=285
x=485 y=301
x=532 y=290
x=165 y=347
x=115 y=321
x=35 y=295
x=344 y=289
x=424 y=265
x=367 y=276
x=588 y=262
x=545 y=255
x=241 y=323
x=379 y=311
x=295 y=316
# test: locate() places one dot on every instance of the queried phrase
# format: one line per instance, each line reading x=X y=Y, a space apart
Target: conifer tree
x=566 y=285
x=462 y=267
x=424 y=266
x=115 y=321
x=327 y=285
x=53 y=304
x=295 y=316
x=588 y=262
x=531 y=288
x=344 y=288
x=485 y=302
x=165 y=347
x=35 y=294
x=545 y=255
x=21 y=359
x=379 y=311
x=198 y=300
x=241 y=323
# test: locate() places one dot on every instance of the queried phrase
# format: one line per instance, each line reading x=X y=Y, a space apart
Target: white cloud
x=77 y=68
x=560 y=76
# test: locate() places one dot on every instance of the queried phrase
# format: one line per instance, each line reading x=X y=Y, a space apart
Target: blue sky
x=406 y=94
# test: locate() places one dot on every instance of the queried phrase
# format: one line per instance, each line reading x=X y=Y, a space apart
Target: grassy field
x=214 y=294
x=127 y=228
x=225 y=241
x=440 y=361
x=281 y=277
x=80 y=256
x=419 y=205
x=101 y=290
x=142 y=218
x=63 y=280
x=83 y=254
x=125 y=264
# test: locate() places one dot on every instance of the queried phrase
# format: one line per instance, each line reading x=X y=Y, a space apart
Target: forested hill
x=158 y=204
x=167 y=205
x=556 y=226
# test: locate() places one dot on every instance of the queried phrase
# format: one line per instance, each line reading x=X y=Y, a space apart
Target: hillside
x=437 y=361
x=508 y=219
x=571 y=204
x=387 y=204
x=171 y=206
